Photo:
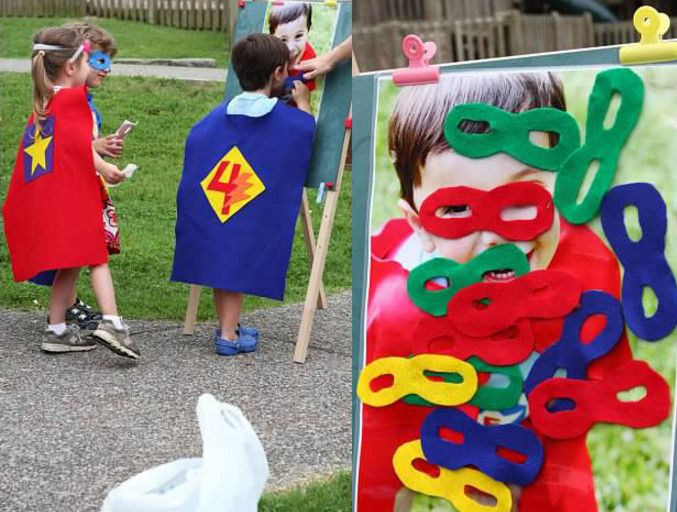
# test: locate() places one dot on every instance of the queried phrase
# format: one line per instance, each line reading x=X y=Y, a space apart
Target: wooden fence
x=40 y=8
x=378 y=46
x=218 y=15
x=371 y=12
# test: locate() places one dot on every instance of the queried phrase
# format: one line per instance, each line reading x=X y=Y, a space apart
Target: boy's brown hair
x=99 y=37
x=416 y=127
x=255 y=57
x=288 y=12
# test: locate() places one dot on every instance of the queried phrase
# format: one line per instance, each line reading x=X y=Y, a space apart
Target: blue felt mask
x=100 y=61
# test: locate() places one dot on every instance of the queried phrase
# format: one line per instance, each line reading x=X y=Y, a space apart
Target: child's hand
x=301 y=95
x=111 y=174
x=110 y=145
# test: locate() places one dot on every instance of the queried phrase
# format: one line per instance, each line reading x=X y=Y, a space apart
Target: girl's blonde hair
x=46 y=64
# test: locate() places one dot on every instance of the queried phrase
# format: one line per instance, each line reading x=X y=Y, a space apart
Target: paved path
x=180 y=73
x=74 y=425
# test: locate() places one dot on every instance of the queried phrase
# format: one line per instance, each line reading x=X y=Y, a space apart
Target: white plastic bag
x=230 y=477
x=171 y=487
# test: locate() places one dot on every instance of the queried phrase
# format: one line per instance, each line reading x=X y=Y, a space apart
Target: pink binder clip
x=277 y=2
x=419 y=55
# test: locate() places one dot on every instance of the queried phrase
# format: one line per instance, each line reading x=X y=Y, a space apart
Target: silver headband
x=49 y=47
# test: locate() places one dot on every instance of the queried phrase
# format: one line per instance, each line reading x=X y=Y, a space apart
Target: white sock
x=117 y=321
x=57 y=329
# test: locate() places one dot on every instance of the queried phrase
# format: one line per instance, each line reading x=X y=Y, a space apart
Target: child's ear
x=411 y=215
x=70 y=68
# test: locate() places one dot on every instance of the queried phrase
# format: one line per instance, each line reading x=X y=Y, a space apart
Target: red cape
x=52 y=213
x=565 y=483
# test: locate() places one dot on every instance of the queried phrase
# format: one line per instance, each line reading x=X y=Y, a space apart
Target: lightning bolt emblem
x=231 y=184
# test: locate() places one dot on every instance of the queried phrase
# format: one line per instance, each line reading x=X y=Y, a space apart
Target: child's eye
x=454 y=210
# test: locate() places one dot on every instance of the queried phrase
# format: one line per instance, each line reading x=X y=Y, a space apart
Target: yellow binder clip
x=330 y=3
x=651 y=25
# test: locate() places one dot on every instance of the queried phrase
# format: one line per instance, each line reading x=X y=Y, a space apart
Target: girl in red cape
x=52 y=213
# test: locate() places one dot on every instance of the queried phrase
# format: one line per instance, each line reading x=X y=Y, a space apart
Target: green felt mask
x=434 y=302
x=509 y=133
x=602 y=145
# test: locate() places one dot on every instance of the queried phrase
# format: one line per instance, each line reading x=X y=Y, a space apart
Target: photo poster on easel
x=330 y=101
x=514 y=301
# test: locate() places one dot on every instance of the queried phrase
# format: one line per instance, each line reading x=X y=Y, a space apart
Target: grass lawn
x=165 y=110
x=134 y=39
x=334 y=495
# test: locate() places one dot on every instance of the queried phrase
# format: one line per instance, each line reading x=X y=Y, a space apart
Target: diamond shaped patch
x=231 y=184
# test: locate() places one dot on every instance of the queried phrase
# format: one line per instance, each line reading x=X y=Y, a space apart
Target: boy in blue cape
x=244 y=170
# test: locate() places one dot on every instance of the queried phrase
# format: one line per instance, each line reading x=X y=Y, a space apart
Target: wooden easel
x=315 y=284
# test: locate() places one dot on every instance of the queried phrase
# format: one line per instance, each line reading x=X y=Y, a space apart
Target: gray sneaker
x=69 y=341
x=116 y=340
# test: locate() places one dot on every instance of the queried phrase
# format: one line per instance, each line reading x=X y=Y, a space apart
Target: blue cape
x=239 y=197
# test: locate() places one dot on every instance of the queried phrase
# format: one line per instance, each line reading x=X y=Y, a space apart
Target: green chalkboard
x=366 y=97
x=334 y=104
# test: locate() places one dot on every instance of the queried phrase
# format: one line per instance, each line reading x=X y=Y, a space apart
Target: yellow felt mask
x=409 y=377
x=449 y=485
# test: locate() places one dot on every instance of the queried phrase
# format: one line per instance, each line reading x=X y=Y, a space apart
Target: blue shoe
x=244 y=343
x=249 y=331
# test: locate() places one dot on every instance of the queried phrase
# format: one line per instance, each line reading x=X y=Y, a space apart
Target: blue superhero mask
x=100 y=61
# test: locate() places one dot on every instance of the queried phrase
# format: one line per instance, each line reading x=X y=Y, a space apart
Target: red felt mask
x=437 y=336
x=485 y=209
x=484 y=309
x=596 y=401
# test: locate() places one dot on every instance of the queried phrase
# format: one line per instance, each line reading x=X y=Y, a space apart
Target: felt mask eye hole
x=536 y=138
x=592 y=327
x=481 y=304
x=649 y=301
x=527 y=212
x=612 y=111
x=632 y=395
x=451 y=435
x=381 y=382
x=590 y=174
x=457 y=211
x=472 y=126
x=511 y=455
x=437 y=283
x=423 y=466
x=560 y=404
x=480 y=497
x=631 y=221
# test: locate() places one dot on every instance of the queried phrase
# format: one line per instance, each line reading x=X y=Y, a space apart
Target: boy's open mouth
x=500 y=275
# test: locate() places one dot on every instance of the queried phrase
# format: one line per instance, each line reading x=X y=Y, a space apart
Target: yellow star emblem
x=37 y=151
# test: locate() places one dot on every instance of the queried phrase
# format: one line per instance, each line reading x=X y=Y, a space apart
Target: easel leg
x=191 y=310
x=309 y=236
x=309 y=308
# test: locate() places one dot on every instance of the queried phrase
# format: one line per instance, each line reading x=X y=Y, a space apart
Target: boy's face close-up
x=295 y=35
x=99 y=63
x=449 y=169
